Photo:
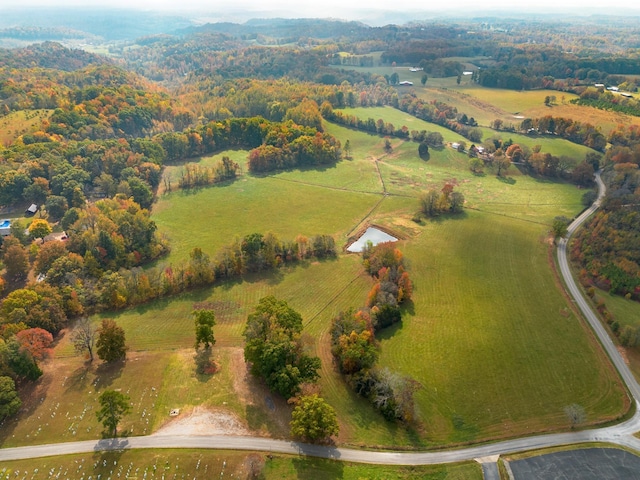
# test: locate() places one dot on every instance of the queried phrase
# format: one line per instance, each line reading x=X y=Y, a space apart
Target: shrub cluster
x=353 y=343
x=433 y=203
x=274 y=349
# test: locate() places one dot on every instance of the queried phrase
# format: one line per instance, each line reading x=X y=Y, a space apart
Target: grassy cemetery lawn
x=207 y=464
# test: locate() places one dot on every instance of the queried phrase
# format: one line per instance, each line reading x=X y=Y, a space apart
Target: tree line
x=605 y=100
x=353 y=343
x=607 y=249
x=62 y=175
x=74 y=285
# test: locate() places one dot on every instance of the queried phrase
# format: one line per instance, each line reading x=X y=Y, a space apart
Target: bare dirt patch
x=623 y=353
x=267 y=414
x=225 y=310
x=201 y=421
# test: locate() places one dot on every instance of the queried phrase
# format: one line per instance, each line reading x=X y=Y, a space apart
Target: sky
x=353 y=9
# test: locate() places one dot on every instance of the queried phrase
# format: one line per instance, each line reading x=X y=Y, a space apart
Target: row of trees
x=353 y=342
x=77 y=281
x=442 y=114
x=606 y=100
x=572 y=130
x=433 y=139
x=500 y=155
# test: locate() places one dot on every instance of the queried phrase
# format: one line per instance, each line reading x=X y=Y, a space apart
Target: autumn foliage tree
x=204 y=322
x=16 y=262
x=355 y=351
x=111 y=346
x=314 y=420
x=392 y=286
x=274 y=348
x=39 y=228
x=447 y=200
x=36 y=341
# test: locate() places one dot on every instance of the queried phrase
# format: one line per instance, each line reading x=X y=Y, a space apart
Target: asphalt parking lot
x=584 y=464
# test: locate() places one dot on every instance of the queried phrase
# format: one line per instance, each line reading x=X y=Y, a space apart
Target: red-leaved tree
x=36 y=341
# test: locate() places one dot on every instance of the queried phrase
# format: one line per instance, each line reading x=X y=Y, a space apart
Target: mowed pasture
x=488 y=104
x=21 y=122
x=606 y=120
x=207 y=464
x=553 y=145
x=490 y=339
x=210 y=218
x=399 y=119
x=488 y=335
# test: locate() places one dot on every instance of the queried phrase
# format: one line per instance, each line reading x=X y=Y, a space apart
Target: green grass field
x=488 y=104
x=513 y=101
x=555 y=146
x=213 y=217
x=524 y=207
x=208 y=464
x=529 y=351
x=20 y=122
x=626 y=312
x=488 y=336
x=399 y=118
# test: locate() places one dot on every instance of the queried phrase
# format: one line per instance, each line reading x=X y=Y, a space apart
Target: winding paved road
x=621 y=434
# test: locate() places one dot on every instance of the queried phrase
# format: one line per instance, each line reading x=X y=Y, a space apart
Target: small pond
x=372 y=235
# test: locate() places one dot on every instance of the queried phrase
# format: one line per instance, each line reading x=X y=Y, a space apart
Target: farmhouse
x=613 y=89
x=405 y=83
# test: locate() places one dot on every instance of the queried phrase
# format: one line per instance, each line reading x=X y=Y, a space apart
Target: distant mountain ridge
x=49 y=55
x=283 y=28
x=108 y=23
